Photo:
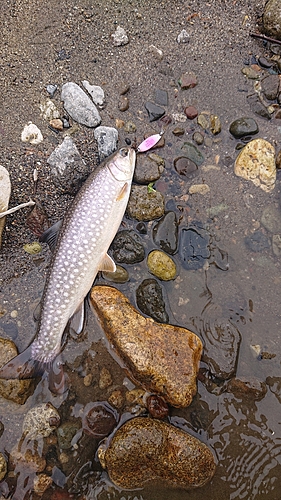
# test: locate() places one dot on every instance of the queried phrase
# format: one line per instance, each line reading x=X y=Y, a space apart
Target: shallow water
x=237 y=286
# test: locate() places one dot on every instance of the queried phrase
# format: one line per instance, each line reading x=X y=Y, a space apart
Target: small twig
x=18 y=207
x=266 y=38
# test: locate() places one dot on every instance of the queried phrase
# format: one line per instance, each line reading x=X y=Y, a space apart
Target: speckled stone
x=163 y=358
x=40 y=421
x=256 y=163
x=146 y=450
x=145 y=205
x=161 y=265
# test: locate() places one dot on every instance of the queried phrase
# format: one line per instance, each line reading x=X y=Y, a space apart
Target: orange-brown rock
x=146 y=450
x=163 y=358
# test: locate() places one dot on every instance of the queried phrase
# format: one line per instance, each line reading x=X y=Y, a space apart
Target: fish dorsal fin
x=123 y=192
x=107 y=264
x=77 y=320
x=50 y=236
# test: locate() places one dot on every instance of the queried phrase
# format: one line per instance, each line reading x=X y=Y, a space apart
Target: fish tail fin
x=22 y=366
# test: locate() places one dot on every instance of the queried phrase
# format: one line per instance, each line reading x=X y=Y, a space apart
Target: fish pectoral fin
x=107 y=264
x=123 y=192
x=77 y=320
x=50 y=236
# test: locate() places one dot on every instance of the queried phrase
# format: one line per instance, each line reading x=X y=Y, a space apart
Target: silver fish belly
x=81 y=251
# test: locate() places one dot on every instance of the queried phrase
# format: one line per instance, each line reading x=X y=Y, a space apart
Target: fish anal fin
x=22 y=366
x=107 y=264
x=50 y=236
x=123 y=192
x=77 y=320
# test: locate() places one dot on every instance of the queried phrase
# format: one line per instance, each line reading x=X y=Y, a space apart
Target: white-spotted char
x=87 y=231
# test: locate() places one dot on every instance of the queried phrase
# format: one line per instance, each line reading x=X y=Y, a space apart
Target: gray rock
x=79 y=106
x=150 y=300
x=51 y=89
x=183 y=37
x=243 y=126
x=258 y=107
x=69 y=170
x=154 y=111
x=96 y=92
x=272 y=19
x=147 y=170
x=145 y=205
x=119 y=37
x=107 y=138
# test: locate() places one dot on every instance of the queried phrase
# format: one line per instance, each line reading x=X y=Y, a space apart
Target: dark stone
x=257 y=106
x=193 y=247
x=154 y=112
x=191 y=112
x=165 y=233
x=243 y=126
x=264 y=63
x=99 y=419
x=161 y=97
x=157 y=407
x=150 y=300
x=257 y=242
x=270 y=86
x=127 y=247
x=221 y=341
x=141 y=228
x=185 y=167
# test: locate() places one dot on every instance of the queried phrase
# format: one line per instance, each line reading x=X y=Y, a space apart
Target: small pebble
x=198 y=138
x=123 y=103
x=191 y=112
x=178 y=131
x=51 y=89
x=57 y=124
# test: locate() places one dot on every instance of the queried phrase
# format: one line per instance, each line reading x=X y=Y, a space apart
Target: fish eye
x=124 y=152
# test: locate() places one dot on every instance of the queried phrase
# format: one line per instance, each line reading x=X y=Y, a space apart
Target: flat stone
x=199 y=189
x=165 y=233
x=161 y=97
x=272 y=19
x=192 y=152
x=95 y=91
x=162 y=358
x=271 y=219
x=256 y=163
x=79 y=106
x=243 y=126
x=107 y=138
x=146 y=450
x=154 y=111
x=145 y=205
x=14 y=390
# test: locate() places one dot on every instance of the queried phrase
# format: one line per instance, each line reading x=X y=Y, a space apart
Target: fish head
x=122 y=164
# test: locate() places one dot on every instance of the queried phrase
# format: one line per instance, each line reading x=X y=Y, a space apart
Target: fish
x=80 y=252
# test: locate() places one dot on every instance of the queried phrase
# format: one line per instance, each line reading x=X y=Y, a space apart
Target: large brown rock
x=146 y=450
x=163 y=358
x=272 y=19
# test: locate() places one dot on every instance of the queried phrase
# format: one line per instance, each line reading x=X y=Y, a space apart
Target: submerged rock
x=145 y=205
x=165 y=233
x=127 y=247
x=161 y=265
x=194 y=247
x=99 y=419
x=256 y=163
x=147 y=170
x=14 y=390
x=79 y=106
x=243 y=126
x=162 y=358
x=145 y=450
x=40 y=421
x=221 y=347
x=150 y=300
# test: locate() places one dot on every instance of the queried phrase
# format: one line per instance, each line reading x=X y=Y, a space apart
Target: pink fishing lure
x=149 y=143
